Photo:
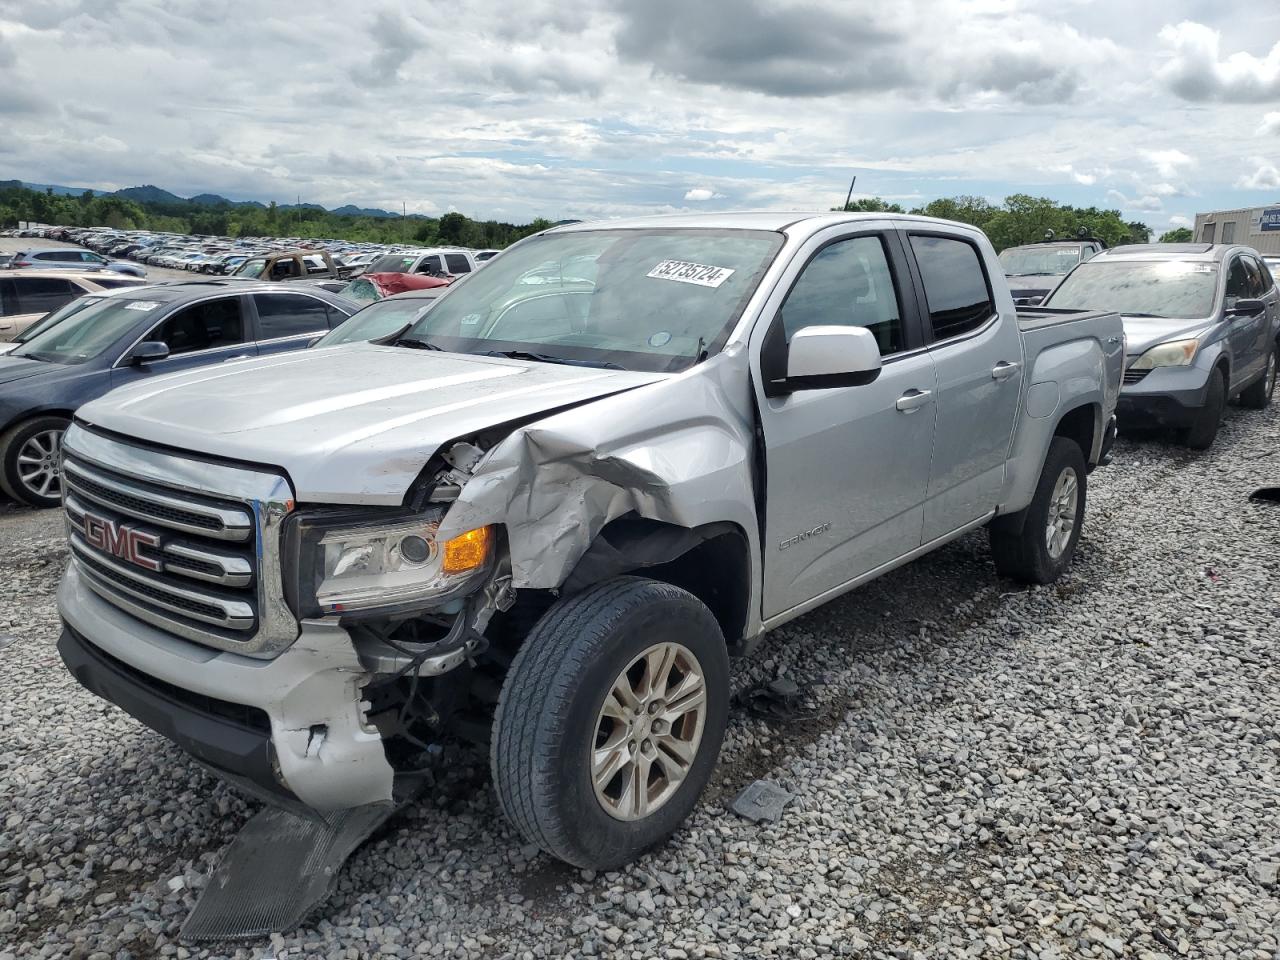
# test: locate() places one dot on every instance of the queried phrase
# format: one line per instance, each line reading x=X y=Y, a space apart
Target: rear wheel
x=1204 y=429
x=1037 y=544
x=610 y=721
x=30 y=461
x=1257 y=395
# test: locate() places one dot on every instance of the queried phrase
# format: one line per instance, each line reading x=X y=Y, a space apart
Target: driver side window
x=204 y=326
x=849 y=284
x=1237 y=282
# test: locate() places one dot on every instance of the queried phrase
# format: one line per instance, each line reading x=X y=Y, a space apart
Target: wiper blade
x=415 y=343
x=1149 y=316
x=547 y=358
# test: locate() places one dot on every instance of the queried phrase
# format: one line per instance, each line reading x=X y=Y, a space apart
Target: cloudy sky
x=597 y=108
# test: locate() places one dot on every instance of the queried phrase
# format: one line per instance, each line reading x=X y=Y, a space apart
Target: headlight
x=386 y=565
x=1176 y=353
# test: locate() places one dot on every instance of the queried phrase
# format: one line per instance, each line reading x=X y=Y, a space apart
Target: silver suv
x=1201 y=322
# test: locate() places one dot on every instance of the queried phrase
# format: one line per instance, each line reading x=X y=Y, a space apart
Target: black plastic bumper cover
x=232 y=738
x=1154 y=410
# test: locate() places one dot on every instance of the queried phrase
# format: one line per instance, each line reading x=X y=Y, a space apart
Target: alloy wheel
x=39 y=466
x=648 y=731
x=1062 y=512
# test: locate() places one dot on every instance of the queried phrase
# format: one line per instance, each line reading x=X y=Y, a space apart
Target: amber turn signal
x=467 y=550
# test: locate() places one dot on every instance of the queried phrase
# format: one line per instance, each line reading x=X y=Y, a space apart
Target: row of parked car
x=131 y=251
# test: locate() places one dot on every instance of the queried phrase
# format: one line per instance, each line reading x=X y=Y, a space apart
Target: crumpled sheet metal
x=678 y=451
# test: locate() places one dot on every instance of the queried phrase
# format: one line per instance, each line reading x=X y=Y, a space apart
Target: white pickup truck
x=546 y=512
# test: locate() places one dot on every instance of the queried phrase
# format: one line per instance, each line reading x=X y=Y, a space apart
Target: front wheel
x=30 y=461
x=610 y=721
x=1204 y=428
x=1036 y=544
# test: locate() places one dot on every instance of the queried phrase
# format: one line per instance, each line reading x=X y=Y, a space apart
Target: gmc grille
x=196 y=565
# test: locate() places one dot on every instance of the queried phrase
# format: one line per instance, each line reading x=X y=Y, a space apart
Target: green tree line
x=1021 y=218
x=18 y=203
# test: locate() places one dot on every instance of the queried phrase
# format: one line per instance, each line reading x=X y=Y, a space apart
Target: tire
x=1020 y=542
x=1204 y=429
x=32 y=438
x=1257 y=395
x=551 y=720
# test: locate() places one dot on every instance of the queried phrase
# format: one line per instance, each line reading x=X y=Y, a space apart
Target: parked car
x=1272 y=264
x=290 y=265
x=137 y=335
x=26 y=296
x=69 y=258
x=433 y=261
x=484 y=256
x=383 y=317
x=587 y=504
x=1034 y=269
x=1201 y=322
x=369 y=287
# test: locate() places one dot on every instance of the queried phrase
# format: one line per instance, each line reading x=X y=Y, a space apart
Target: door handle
x=1114 y=339
x=913 y=400
x=1004 y=370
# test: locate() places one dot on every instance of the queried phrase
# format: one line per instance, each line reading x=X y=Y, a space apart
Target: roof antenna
x=849 y=196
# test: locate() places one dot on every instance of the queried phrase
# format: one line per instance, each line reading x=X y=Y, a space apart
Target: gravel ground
x=18 y=244
x=1086 y=770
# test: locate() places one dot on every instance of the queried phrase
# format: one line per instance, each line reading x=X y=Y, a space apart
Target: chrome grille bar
x=147 y=504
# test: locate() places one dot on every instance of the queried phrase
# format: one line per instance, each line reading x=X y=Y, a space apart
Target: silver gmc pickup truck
x=545 y=512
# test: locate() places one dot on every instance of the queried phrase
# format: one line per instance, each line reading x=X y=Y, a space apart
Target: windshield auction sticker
x=684 y=272
x=145 y=305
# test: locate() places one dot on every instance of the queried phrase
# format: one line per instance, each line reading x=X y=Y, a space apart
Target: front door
x=846 y=467
x=211 y=331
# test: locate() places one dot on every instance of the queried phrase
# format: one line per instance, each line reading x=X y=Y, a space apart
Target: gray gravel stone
x=980 y=770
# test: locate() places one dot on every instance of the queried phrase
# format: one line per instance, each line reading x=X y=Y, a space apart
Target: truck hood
x=354 y=423
x=1143 y=333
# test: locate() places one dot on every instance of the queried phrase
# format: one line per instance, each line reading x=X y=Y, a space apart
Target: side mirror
x=148 y=351
x=1246 y=308
x=823 y=357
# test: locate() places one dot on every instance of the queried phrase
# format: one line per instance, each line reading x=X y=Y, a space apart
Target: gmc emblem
x=120 y=541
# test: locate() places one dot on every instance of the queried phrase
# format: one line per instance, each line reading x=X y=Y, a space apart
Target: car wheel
x=1037 y=544
x=610 y=721
x=1204 y=429
x=1257 y=395
x=30 y=466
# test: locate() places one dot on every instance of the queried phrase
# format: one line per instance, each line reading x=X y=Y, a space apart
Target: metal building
x=1257 y=227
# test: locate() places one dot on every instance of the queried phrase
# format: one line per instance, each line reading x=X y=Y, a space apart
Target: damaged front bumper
x=296 y=731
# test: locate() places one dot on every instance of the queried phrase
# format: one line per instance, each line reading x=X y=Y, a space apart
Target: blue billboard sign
x=1270 y=220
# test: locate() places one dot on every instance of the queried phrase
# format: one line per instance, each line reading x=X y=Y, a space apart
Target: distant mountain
x=351 y=210
x=150 y=193
x=59 y=190
x=147 y=193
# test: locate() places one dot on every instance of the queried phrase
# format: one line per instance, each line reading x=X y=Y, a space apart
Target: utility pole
x=849 y=195
x=404 y=224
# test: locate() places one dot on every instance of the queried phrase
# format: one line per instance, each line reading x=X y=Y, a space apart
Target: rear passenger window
x=1257 y=287
x=430 y=265
x=849 y=284
x=287 y=315
x=205 y=326
x=8 y=299
x=955 y=285
x=457 y=263
x=42 y=294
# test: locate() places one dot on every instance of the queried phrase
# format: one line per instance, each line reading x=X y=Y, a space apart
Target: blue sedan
x=98 y=343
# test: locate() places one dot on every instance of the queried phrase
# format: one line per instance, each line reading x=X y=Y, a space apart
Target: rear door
x=291 y=320
x=846 y=467
x=211 y=331
x=1265 y=290
x=977 y=353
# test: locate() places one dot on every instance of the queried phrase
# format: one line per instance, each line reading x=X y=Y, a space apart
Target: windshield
x=86 y=333
x=1178 y=290
x=393 y=263
x=1022 y=261
x=656 y=299
x=252 y=268
x=377 y=320
x=49 y=319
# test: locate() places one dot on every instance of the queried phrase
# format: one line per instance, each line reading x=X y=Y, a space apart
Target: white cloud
x=1270 y=124
x=1196 y=69
x=1147 y=203
x=1265 y=177
x=700 y=194
x=1179 y=221
x=1168 y=163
